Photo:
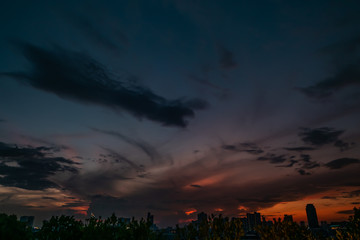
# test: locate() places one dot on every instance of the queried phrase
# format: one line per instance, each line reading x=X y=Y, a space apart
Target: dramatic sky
x=179 y=106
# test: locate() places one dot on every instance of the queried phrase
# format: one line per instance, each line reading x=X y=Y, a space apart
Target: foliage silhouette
x=11 y=228
x=112 y=228
x=286 y=230
x=213 y=228
x=352 y=230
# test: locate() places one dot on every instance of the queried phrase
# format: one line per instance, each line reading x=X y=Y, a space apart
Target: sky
x=175 y=107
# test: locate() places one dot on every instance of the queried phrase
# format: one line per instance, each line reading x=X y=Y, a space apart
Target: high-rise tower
x=311 y=216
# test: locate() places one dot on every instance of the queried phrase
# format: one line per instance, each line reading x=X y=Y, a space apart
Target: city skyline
x=177 y=107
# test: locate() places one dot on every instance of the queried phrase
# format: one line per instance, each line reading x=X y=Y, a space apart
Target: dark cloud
x=195 y=186
x=355 y=203
x=328 y=197
x=291 y=164
x=319 y=136
x=300 y=149
x=50 y=198
x=346 y=77
x=345 y=56
x=341 y=163
x=74 y=204
x=343 y=145
x=272 y=158
x=29 y=167
x=346 y=212
x=143 y=146
x=303 y=172
x=303 y=164
x=248 y=147
x=2 y=120
x=352 y=194
x=78 y=77
x=226 y=57
x=306 y=162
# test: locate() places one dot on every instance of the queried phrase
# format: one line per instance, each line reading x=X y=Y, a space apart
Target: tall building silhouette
x=253 y=219
x=311 y=216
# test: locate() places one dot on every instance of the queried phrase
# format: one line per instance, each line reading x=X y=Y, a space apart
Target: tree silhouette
x=11 y=228
x=352 y=230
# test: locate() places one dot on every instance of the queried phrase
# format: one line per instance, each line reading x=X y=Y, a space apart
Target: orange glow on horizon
x=327 y=209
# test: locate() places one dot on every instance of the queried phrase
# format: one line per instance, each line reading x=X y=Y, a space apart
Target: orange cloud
x=191 y=211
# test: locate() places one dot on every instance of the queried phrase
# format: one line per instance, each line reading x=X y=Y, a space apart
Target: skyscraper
x=254 y=219
x=311 y=216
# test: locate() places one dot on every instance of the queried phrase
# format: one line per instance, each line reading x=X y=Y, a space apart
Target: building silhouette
x=253 y=219
x=312 y=216
x=28 y=220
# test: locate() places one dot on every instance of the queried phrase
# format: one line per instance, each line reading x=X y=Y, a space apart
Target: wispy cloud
x=341 y=163
x=143 y=146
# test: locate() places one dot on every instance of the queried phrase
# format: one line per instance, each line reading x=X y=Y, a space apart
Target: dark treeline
x=212 y=228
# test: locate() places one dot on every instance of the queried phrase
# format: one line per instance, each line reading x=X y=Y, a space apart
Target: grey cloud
x=341 y=163
x=78 y=77
x=33 y=167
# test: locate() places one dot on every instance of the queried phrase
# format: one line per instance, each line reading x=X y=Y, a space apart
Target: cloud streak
x=146 y=148
x=341 y=163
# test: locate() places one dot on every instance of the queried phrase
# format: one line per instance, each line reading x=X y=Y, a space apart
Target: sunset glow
x=179 y=108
